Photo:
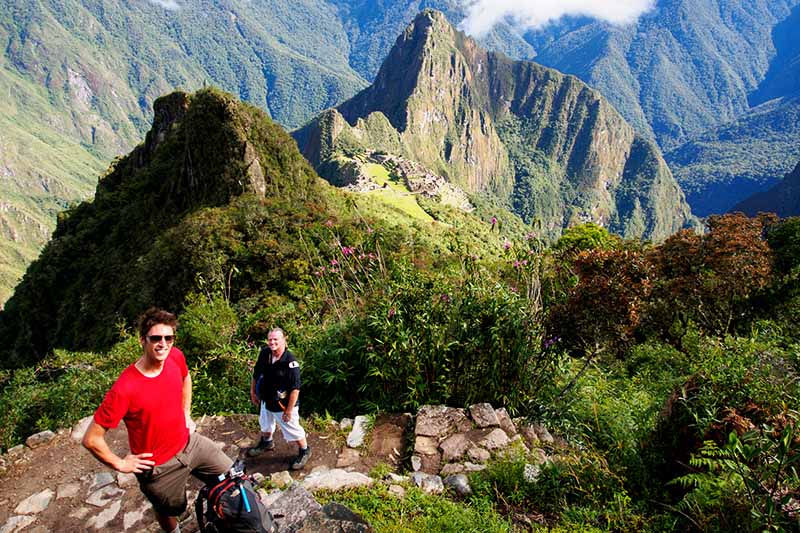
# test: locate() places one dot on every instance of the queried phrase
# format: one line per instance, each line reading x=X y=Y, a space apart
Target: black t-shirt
x=274 y=381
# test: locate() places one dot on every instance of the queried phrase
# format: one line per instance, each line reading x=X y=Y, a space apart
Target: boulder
x=440 y=421
x=35 y=503
x=335 y=479
x=483 y=415
x=335 y=518
x=348 y=457
x=295 y=504
x=453 y=447
x=79 y=429
x=101 y=520
x=43 y=437
x=358 y=433
x=459 y=483
x=427 y=482
x=495 y=440
x=506 y=424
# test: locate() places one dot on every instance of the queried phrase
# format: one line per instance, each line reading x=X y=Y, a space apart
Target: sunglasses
x=157 y=338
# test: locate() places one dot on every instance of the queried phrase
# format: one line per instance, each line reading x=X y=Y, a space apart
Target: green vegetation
x=668 y=372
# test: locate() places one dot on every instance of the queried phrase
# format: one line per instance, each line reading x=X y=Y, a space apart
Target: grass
x=419 y=512
x=395 y=193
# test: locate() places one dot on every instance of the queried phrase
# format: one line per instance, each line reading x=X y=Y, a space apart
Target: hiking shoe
x=262 y=446
x=301 y=459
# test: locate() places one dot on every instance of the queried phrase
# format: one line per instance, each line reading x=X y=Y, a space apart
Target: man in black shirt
x=276 y=388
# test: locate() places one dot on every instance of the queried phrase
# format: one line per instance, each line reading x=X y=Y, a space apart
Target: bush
x=429 y=340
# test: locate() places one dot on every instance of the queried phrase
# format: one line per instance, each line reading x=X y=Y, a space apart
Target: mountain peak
x=542 y=141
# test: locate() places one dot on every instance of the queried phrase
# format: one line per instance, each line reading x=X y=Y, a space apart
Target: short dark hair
x=155 y=316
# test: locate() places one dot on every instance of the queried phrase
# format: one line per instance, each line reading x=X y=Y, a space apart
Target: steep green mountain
x=148 y=232
x=783 y=199
x=729 y=163
x=80 y=78
x=217 y=200
x=697 y=77
x=545 y=142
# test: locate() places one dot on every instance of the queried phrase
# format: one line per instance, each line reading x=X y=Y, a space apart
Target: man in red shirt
x=154 y=398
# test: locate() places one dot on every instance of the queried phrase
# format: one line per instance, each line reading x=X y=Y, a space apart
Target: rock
x=495 y=440
x=125 y=481
x=3 y=466
x=451 y=469
x=426 y=446
x=429 y=483
x=506 y=424
x=483 y=415
x=335 y=518
x=38 y=529
x=458 y=483
x=471 y=467
x=131 y=519
x=335 y=479
x=348 y=457
x=346 y=423
x=539 y=456
x=101 y=520
x=268 y=498
x=101 y=497
x=258 y=478
x=479 y=454
x=416 y=463
x=295 y=504
x=431 y=463
x=43 y=437
x=67 y=490
x=35 y=503
x=101 y=479
x=80 y=514
x=16 y=450
x=397 y=490
x=358 y=433
x=281 y=479
x=454 y=447
x=17 y=523
x=441 y=421
x=391 y=477
x=79 y=429
x=543 y=434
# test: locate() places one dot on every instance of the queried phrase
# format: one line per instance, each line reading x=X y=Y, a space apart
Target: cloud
x=482 y=15
x=171 y=5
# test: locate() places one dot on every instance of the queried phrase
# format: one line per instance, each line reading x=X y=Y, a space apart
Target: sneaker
x=301 y=459
x=262 y=446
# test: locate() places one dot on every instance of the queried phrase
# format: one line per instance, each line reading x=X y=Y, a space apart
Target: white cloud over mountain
x=482 y=15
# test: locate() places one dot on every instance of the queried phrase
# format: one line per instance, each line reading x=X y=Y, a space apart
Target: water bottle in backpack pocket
x=231 y=505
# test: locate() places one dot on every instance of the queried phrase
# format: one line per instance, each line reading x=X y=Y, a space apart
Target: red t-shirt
x=152 y=408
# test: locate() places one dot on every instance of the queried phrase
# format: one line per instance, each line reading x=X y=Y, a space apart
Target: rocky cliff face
x=542 y=141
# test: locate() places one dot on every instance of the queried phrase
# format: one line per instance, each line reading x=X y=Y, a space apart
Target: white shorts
x=291 y=430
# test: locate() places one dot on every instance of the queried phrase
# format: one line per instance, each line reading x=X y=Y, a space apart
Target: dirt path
x=64 y=467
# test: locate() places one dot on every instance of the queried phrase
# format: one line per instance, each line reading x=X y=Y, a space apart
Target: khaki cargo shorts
x=165 y=485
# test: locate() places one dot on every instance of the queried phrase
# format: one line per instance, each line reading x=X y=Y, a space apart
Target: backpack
x=232 y=506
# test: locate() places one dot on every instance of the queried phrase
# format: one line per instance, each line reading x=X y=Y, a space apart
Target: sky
x=482 y=15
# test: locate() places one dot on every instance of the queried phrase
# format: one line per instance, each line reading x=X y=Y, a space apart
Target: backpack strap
x=198 y=508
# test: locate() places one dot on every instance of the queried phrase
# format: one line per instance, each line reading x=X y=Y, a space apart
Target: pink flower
x=372 y=256
x=392 y=312
x=494 y=221
x=329 y=223
x=506 y=245
x=516 y=264
x=334 y=262
x=346 y=250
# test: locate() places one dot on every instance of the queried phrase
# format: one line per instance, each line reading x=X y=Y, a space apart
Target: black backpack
x=232 y=506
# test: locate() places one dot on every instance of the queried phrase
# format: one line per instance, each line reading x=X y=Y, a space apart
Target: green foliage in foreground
x=418 y=512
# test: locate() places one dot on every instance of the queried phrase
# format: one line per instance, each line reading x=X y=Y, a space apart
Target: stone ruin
x=450 y=442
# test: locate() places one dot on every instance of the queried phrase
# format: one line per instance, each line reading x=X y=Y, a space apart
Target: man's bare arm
x=94 y=440
x=187 y=402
